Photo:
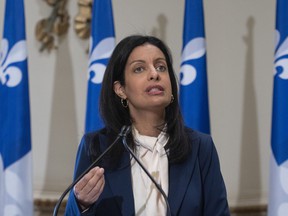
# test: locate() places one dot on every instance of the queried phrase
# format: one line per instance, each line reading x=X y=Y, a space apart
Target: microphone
x=124 y=141
x=124 y=130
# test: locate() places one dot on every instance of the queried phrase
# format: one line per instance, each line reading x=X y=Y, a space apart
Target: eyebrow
x=142 y=61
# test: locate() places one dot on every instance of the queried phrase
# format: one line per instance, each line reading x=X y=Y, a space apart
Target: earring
x=172 y=98
x=124 y=102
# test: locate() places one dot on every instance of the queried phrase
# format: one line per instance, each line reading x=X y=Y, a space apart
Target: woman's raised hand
x=89 y=188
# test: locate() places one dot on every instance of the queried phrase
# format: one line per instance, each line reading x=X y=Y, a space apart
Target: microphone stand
x=124 y=130
x=124 y=141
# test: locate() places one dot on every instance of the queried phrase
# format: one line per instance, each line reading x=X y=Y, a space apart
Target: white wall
x=240 y=43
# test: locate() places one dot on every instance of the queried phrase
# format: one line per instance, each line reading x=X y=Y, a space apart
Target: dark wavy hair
x=114 y=115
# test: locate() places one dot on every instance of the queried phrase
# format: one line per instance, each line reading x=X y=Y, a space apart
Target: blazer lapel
x=120 y=184
x=179 y=177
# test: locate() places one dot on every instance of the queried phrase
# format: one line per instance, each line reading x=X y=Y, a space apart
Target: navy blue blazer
x=196 y=186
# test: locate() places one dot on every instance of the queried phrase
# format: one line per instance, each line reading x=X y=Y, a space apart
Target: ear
x=119 y=90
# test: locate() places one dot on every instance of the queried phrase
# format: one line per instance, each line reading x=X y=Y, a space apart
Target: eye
x=161 y=68
x=138 y=69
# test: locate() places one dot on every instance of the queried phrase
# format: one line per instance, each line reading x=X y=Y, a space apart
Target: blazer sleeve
x=82 y=163
x=215 y=196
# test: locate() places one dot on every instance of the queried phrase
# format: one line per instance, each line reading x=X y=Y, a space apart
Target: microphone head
x=125 y=130
x=128 y=130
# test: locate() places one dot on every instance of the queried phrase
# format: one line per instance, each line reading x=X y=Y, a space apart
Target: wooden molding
x=47 y=205
x=249 y=209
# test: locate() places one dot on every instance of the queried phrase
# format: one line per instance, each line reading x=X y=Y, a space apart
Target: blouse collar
x=149 y=142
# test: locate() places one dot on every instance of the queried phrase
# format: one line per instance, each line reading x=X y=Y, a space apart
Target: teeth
x=154 y=90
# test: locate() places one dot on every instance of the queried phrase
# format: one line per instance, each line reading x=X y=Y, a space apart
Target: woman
x=139 y=88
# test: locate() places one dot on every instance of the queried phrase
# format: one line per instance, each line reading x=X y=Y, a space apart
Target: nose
x=153 y=74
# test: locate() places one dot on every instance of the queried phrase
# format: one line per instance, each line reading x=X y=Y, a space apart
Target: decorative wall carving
x=82 y=20
x=56 y=25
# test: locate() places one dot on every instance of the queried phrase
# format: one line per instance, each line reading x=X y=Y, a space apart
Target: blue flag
x=193 y=78
x=278 y=195
x=15 y=136
x=102 y=43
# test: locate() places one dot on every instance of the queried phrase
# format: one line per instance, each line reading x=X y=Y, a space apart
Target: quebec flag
x=15 y=137
x=102 y=43
x=193 y=78
x=278 y=193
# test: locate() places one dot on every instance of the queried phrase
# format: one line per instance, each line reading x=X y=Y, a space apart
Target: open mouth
x=155 y=89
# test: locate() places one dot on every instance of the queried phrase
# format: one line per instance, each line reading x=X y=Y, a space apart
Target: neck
x=148 y=123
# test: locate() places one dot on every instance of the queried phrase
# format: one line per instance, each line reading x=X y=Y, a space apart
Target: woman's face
x=147 y=82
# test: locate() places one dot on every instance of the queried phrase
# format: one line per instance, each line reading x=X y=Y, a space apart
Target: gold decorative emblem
x=82 y=20
x=56 y=24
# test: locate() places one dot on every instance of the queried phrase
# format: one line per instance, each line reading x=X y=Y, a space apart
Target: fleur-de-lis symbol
x=11 y=76
x=103 y=50
x=281 y=62
x=194 y=49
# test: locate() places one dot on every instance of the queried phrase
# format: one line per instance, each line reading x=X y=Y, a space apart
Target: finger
x=97 y=190
x=86 y=178
x=96 y=182
x=90 y=193
x=88 y=181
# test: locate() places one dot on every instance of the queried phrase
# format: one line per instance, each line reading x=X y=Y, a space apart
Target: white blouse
x=150 y=151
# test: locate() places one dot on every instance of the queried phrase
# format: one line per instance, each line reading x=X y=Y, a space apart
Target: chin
x=162 y=104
